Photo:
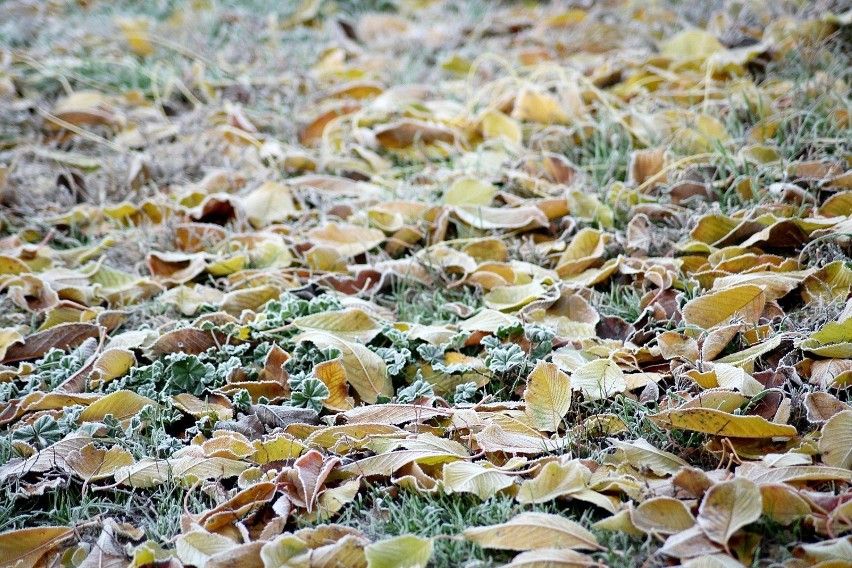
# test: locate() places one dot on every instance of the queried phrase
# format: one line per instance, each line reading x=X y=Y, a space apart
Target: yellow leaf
x=712 y=561
x=691 y=44
x=510 y=298
x=662 y=515
x=365 y=371
x=407 y=551
x=92 y=463
x=534 y=106
x=388 y=463
x=343 y=439
x=832 y=281
x=641 y=454
x=226 y=266
x=272 y=202
x=8 y=336
x=782 y=503
x=470 y=477
x=718 y=423
x=727 y=507
x=586 y=249
x=276 y=447
x=554 y=480
x=618 y=522
x=552 y=558
x=333 y=376
x=197 y=408
x=188 y=469
x=598 y=379
x=121 y=404
x=196 y=547
x=673 y=344
x=589 y=208
x=351 y=324
x=136 y=35
x=531 y=531
x=469 y=191
x=347 y=240
x=248 y=299
x=24 y=548
x=489 y=218
x=717 y=308
x=836 y=441
x=456 y=64
x=547 y=396
x=285 y=551
x=833 y=340
x=113 y=363
x=497 y=125
x=188 y=299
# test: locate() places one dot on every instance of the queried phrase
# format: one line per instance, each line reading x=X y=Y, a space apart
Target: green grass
x=414 y=302
x=157 y=511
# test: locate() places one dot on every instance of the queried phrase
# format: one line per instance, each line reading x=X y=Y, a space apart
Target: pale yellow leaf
x=469 y=191
x=196 y=547
x=729 y=506
x=547 y=396
x=835 y=444
x=554 y=480
x=470 y=477
x=347 y=240
x=365 y=371
x=407 y=551
x=598 y=379
x=641 y=454
x=662 y=515
x=272 y=202
x=351 y=324
x=531 y=531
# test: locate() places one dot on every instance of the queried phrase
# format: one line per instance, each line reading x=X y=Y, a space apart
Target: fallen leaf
x=25 y=547
x=727 y=507
x=547 y=396
x=407 y=551
x=718 y=308
x=471 y=477
x=719 y=423
x=531 y=531
x=836 y=441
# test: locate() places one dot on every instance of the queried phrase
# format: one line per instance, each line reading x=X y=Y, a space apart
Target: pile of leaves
x=265 y=272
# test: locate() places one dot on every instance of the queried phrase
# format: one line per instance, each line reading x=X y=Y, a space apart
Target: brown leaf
x=64 y=336
x=25 y=547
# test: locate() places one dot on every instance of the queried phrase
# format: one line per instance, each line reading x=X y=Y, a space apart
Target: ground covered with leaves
x=409 y=283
